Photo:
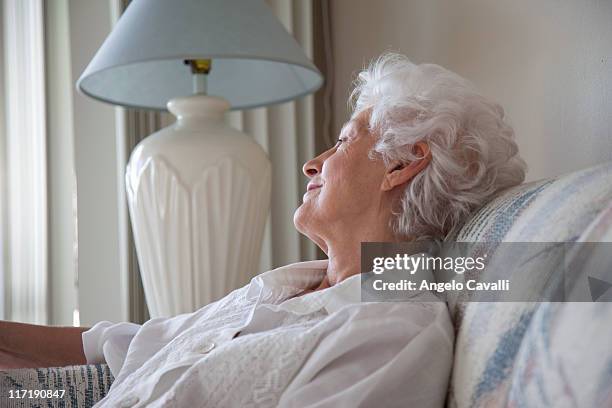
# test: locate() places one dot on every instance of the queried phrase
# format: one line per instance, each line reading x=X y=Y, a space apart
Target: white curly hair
x=474 y=153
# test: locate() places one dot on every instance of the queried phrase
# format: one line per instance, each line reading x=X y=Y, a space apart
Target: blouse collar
x=290 y=280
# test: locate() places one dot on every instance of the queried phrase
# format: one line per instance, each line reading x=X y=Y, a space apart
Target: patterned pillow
x=488 y=226
x=489 y=335
x=565 y=358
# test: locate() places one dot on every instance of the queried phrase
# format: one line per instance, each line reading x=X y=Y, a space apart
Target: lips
x=312 y=186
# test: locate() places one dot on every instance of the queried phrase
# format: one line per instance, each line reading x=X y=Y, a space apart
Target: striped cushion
x=83 y=385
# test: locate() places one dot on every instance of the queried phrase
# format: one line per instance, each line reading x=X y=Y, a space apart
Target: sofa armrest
x=82 y=386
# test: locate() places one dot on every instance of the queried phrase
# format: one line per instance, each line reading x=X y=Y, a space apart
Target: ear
x=401 y=173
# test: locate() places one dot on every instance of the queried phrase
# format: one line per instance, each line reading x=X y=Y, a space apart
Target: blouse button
x=207 y=348
x=129 y=402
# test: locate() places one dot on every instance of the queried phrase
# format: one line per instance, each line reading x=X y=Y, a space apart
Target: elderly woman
x=421 y=151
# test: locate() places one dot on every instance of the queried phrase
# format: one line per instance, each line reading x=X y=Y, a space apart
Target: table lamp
x=198 y=191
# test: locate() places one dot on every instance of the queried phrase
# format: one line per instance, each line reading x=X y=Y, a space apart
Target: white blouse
x=259 y=346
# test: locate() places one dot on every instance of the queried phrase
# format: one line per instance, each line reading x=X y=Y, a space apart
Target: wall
x=548 y=63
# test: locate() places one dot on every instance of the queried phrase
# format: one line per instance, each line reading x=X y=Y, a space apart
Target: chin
x=300 y=219
x=308 y=225
x=304 y=218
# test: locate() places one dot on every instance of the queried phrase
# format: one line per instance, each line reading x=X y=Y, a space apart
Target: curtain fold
x=4 y=247
x=25 y=163
x=287 y=132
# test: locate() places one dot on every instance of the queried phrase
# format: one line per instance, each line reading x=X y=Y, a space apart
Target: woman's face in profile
x=345 y=184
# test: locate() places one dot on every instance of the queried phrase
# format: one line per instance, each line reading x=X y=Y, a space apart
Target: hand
x=28 y=345
x=10 y=361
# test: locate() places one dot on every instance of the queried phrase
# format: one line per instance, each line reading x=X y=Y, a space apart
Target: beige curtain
x=290 y=133
x=286 y=132
x=23 y=179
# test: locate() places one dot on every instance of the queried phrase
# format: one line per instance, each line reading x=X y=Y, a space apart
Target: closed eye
x=341 y=140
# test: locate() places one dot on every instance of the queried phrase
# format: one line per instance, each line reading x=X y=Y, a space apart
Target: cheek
x=338 y=199
x=347 y=180
x=337 y=181
x=351 y=183
x=327 y=201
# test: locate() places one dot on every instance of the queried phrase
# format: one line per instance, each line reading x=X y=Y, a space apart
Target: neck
x=345 y=254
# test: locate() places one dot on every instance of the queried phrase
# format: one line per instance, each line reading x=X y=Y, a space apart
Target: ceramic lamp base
x=198 y=194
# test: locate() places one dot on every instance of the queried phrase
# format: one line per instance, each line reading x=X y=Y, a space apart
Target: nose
x=313 y=166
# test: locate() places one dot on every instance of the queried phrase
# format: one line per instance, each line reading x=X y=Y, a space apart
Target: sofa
x=537 y=354
x=523 y=354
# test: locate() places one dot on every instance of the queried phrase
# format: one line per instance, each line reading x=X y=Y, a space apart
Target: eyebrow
x=344 y=127
x=357 y=125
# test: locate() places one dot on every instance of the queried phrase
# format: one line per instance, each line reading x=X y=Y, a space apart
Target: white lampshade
x=255 y=61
